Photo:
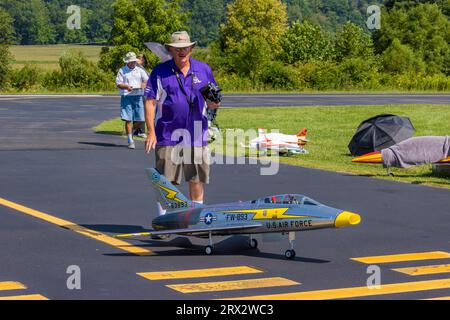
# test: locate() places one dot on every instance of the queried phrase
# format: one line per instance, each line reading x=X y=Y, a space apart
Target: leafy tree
x=251 y=57
x=305 y=42
x=254 y=18
x=353 y=42
x=329 y=14
x=96 y=19
x=205 y=18
x=424 y=28
x=399 y=58
x=31 y=21
x=6 y=27
x=139 y=21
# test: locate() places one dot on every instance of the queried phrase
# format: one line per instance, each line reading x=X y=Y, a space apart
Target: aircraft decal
x=270 y=213
x=171 y=194
x=208 y=218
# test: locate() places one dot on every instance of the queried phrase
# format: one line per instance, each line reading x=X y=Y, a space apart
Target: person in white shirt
x=131 y=80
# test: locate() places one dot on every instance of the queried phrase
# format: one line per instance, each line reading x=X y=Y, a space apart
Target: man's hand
x=129 y=88
x=150 y=143
x=212 y=105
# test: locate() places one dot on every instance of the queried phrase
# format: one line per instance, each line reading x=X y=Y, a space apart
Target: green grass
x=330 y=130
x=47 y=56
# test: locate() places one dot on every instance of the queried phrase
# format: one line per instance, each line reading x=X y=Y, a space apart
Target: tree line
x=44 y=21
x=259 y=47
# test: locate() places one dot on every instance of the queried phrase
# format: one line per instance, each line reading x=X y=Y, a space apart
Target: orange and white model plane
x=280 y=143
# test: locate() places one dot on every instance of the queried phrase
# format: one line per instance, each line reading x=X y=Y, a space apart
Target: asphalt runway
x=64 y=190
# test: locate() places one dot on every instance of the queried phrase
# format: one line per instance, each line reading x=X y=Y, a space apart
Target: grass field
x=330 y=130
x=47 y=56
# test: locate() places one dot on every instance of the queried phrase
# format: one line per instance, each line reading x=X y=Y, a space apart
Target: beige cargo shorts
x=175 y=161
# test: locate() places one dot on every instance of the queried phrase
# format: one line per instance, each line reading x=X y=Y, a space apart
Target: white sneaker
x=131 y=145
x=142 y=135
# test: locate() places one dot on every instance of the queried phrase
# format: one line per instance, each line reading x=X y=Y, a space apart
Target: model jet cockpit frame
x=286 y=213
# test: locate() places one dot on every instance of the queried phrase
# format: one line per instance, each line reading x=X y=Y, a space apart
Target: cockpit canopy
x=297 y=199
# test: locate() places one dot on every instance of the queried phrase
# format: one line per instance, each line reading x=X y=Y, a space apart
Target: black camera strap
x=188 y=98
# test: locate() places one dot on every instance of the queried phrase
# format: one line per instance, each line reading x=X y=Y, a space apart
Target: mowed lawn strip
x=329 y=130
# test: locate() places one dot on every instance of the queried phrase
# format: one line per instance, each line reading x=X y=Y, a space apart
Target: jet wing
x=187 y=231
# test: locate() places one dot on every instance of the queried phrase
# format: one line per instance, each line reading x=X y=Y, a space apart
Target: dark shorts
x=192 y=162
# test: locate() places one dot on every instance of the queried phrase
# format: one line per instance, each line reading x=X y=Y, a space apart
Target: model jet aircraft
x=279 y=142
x=287 y=213
x=411 y=152
x=377 y=158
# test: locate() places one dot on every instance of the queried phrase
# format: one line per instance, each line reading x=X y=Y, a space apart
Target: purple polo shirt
x=173 y=111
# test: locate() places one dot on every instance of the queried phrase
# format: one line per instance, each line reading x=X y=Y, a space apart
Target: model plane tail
x=301 y=136
x=170 y=198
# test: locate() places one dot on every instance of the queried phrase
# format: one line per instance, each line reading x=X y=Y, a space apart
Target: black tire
x=209 y=250
x=253 y=243
x=289 y=254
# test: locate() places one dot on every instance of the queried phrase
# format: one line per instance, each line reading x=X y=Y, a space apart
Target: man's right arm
x=120 y=82
x=150 y=107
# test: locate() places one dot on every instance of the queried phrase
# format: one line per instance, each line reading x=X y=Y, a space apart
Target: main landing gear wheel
x=253 y=243
x=289 y=254
x=209 y=250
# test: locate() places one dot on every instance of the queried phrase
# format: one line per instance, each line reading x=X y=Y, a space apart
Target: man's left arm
x=144 y=78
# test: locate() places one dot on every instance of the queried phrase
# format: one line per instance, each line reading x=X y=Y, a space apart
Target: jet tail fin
x=301 y=136
x=170 y=198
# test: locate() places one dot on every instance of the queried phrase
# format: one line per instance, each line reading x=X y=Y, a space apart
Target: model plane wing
x=227 y=227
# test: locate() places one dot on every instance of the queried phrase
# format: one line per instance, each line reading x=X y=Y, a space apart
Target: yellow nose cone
x=347 y=218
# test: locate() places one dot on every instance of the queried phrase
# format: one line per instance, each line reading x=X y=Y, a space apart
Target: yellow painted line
x=199 y=273
x=355 y=292
x=404 y=257
x=420 y=271
x=438 y=298
x=77 y=228
x=232 y=285
x=11 y=285
x=25 y=297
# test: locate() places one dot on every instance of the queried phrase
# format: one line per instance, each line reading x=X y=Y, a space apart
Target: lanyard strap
x=188 y=98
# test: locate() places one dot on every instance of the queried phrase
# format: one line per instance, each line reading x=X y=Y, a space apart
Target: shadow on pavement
x=182 y=246
x=102 y=144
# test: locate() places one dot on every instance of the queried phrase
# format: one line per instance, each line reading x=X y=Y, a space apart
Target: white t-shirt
x=132 y=77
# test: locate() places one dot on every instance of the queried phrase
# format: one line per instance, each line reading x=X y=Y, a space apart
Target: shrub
x=320 y=75
x=279 y=76
x=414 y=81
x=26 y=78
x=5 y=58
x=77 y=72
x=358 y=73
x=233 y=82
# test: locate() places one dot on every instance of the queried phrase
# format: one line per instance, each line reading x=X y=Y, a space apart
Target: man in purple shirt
x=175 y=113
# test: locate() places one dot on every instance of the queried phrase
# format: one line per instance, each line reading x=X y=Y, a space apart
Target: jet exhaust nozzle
x=347 y=218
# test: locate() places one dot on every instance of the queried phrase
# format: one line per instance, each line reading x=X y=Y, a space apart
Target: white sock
x=199 y=202
x=130 y=138
x=161 y=211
